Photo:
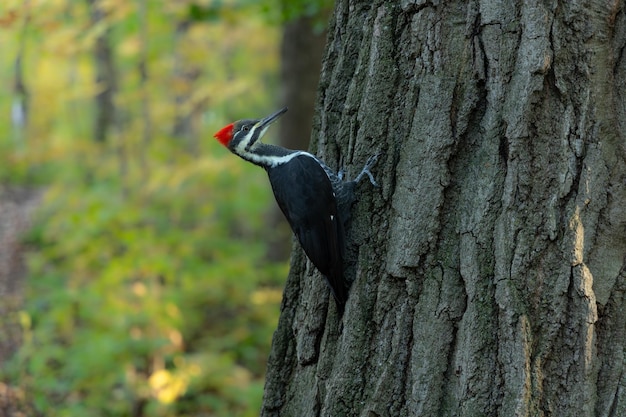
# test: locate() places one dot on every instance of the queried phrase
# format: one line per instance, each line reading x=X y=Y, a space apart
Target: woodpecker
x=315 y=200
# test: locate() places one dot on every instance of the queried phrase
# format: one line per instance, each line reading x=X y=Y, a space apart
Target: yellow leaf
x=166 y=387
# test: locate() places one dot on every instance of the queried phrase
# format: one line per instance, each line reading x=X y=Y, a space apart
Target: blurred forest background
x=147 y=289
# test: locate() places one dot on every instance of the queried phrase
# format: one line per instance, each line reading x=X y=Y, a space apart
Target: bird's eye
x=246 y=128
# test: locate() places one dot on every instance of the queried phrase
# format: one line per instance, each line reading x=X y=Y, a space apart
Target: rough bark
x=490 y=267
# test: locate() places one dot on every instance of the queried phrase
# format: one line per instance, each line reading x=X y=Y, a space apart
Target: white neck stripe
x=274 y=161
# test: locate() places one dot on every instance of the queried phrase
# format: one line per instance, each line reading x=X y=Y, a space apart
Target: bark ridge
x=490 y=267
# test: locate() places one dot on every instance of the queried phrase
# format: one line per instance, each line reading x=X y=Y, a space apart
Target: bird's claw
x=366 y=170
x=341 y=173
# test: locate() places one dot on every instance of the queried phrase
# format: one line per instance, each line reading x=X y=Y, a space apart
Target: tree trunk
x=490 y=267
x=142 y=68
x=106 y=77
x=21 y=97
x=185 y=77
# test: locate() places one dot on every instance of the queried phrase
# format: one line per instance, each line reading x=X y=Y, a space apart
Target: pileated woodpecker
x=315 y=200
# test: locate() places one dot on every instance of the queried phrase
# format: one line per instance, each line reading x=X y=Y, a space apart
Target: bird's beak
x=262 y=125
x=266 y=121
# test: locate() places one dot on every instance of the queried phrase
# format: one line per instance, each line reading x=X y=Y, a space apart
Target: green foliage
x=147 y=287
x=281 y=11
x=146 y=295
x=311 y=8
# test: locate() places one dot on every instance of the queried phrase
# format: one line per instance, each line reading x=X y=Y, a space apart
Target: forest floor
x=17 y=206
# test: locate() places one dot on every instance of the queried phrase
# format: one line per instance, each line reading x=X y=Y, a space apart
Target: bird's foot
x=342 y=171
x=366 y=170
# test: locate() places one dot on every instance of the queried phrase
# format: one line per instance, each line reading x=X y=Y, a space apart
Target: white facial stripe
x=243 y=143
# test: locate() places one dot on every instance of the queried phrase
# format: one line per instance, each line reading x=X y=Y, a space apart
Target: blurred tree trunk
x=21 y=97
x=185 y=76
x=300 y=56
x=106 y=77
x=142 y=68
x=490 y=267
x=19 y=107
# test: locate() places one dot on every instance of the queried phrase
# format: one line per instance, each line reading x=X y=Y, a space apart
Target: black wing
x=305 y=195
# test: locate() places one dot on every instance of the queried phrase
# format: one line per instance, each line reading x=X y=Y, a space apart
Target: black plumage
x=314 y=216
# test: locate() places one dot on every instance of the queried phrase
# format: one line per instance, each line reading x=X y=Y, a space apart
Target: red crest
x=225 y=134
